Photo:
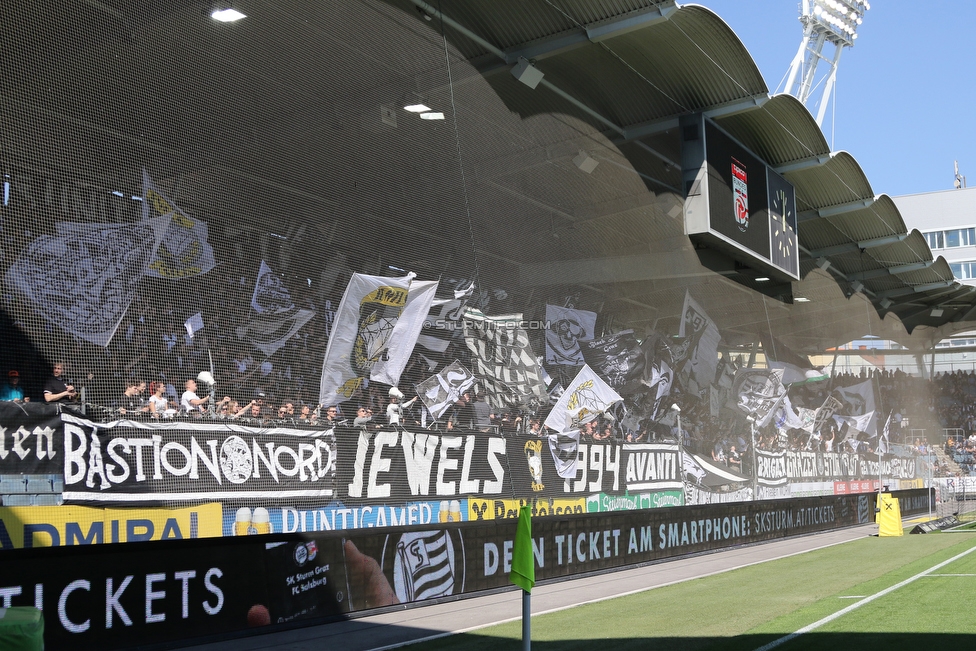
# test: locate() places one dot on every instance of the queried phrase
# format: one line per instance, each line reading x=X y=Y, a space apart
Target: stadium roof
x=244 y=123
x=630 y=68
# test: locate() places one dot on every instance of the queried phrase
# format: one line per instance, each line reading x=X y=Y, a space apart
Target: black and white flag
x=444 y=318
x=276 y=318
x=567 y=329
x=705 y=337
x=503 y=358
x=564 y=447
x=658 y=373
x=270 y=294
x=884 y=444
x=758 y=392
x=84 y=277
x=442 y=390
x=858 y=401
x=185 y=250
x=618 y=359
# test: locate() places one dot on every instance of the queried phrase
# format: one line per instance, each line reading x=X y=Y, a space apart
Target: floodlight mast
x=824 y=21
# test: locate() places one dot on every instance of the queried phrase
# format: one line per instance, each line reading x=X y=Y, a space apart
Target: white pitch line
x=840 y=613
x=437 y=636
x=952 y=574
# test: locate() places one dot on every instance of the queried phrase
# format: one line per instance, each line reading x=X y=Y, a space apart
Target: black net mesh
x=187 y=204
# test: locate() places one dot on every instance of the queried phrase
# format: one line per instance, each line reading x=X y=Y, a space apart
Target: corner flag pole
x=523 y=571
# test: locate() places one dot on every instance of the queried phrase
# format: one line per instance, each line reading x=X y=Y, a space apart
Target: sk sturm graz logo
x=425 y=564
x=740 y=195
x=235 y=460
x=533 y=457
x=378 y=314
x=305 y=552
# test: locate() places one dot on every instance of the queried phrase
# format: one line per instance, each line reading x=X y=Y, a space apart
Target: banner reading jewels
x=115 y=596
x=403 y=466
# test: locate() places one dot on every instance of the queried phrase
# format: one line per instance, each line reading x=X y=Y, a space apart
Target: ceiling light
x=762 y=279
x=584 y=162
x=800 y=299
x=527 y=73
x=227 y=15
x=417 y=108
x=432 y=116
x=936 y=312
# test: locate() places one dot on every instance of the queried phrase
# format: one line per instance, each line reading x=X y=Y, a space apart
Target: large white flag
x=185 y=250
x=584 y=399
x=858 y=400
x=567 y=328
x=374 y=332
x=84 y=277
x=705 y=337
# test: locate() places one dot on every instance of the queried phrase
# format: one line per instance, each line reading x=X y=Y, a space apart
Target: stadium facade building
x=947 y=219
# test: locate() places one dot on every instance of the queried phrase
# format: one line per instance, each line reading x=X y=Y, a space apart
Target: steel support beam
x=833 y=211
x=897 y=269
x=851 y=247
x=803 y=164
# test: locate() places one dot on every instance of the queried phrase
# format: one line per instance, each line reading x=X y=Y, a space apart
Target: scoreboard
x=735 y=203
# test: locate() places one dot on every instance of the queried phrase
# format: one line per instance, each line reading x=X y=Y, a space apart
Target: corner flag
x=523 y=563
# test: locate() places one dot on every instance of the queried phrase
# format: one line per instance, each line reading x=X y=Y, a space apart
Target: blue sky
x=906 y=92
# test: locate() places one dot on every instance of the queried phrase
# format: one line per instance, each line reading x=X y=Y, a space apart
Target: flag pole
x=523 y=571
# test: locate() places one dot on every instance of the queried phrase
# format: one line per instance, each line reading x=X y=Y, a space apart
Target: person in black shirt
x=132 y=401
x=55 y=389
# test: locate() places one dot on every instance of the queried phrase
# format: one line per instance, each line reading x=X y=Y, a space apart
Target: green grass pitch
x=755 y=607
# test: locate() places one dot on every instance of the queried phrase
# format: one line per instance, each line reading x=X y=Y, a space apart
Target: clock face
x=782 y=230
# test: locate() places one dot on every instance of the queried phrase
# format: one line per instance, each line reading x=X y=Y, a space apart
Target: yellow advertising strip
x=42 y=526
x=482 y=509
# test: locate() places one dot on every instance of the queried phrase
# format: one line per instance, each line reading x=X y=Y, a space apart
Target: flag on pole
x=883 y=443
x=523 y=561
x=374 y=332
x=185 y=250
x=587 y=397
x=568 y=328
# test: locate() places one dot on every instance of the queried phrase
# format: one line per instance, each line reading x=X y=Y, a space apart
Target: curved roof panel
x=839 y=181
x=879 y=219
x=781 y=132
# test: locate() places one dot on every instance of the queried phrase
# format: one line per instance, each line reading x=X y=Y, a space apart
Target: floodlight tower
x=824 y=21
